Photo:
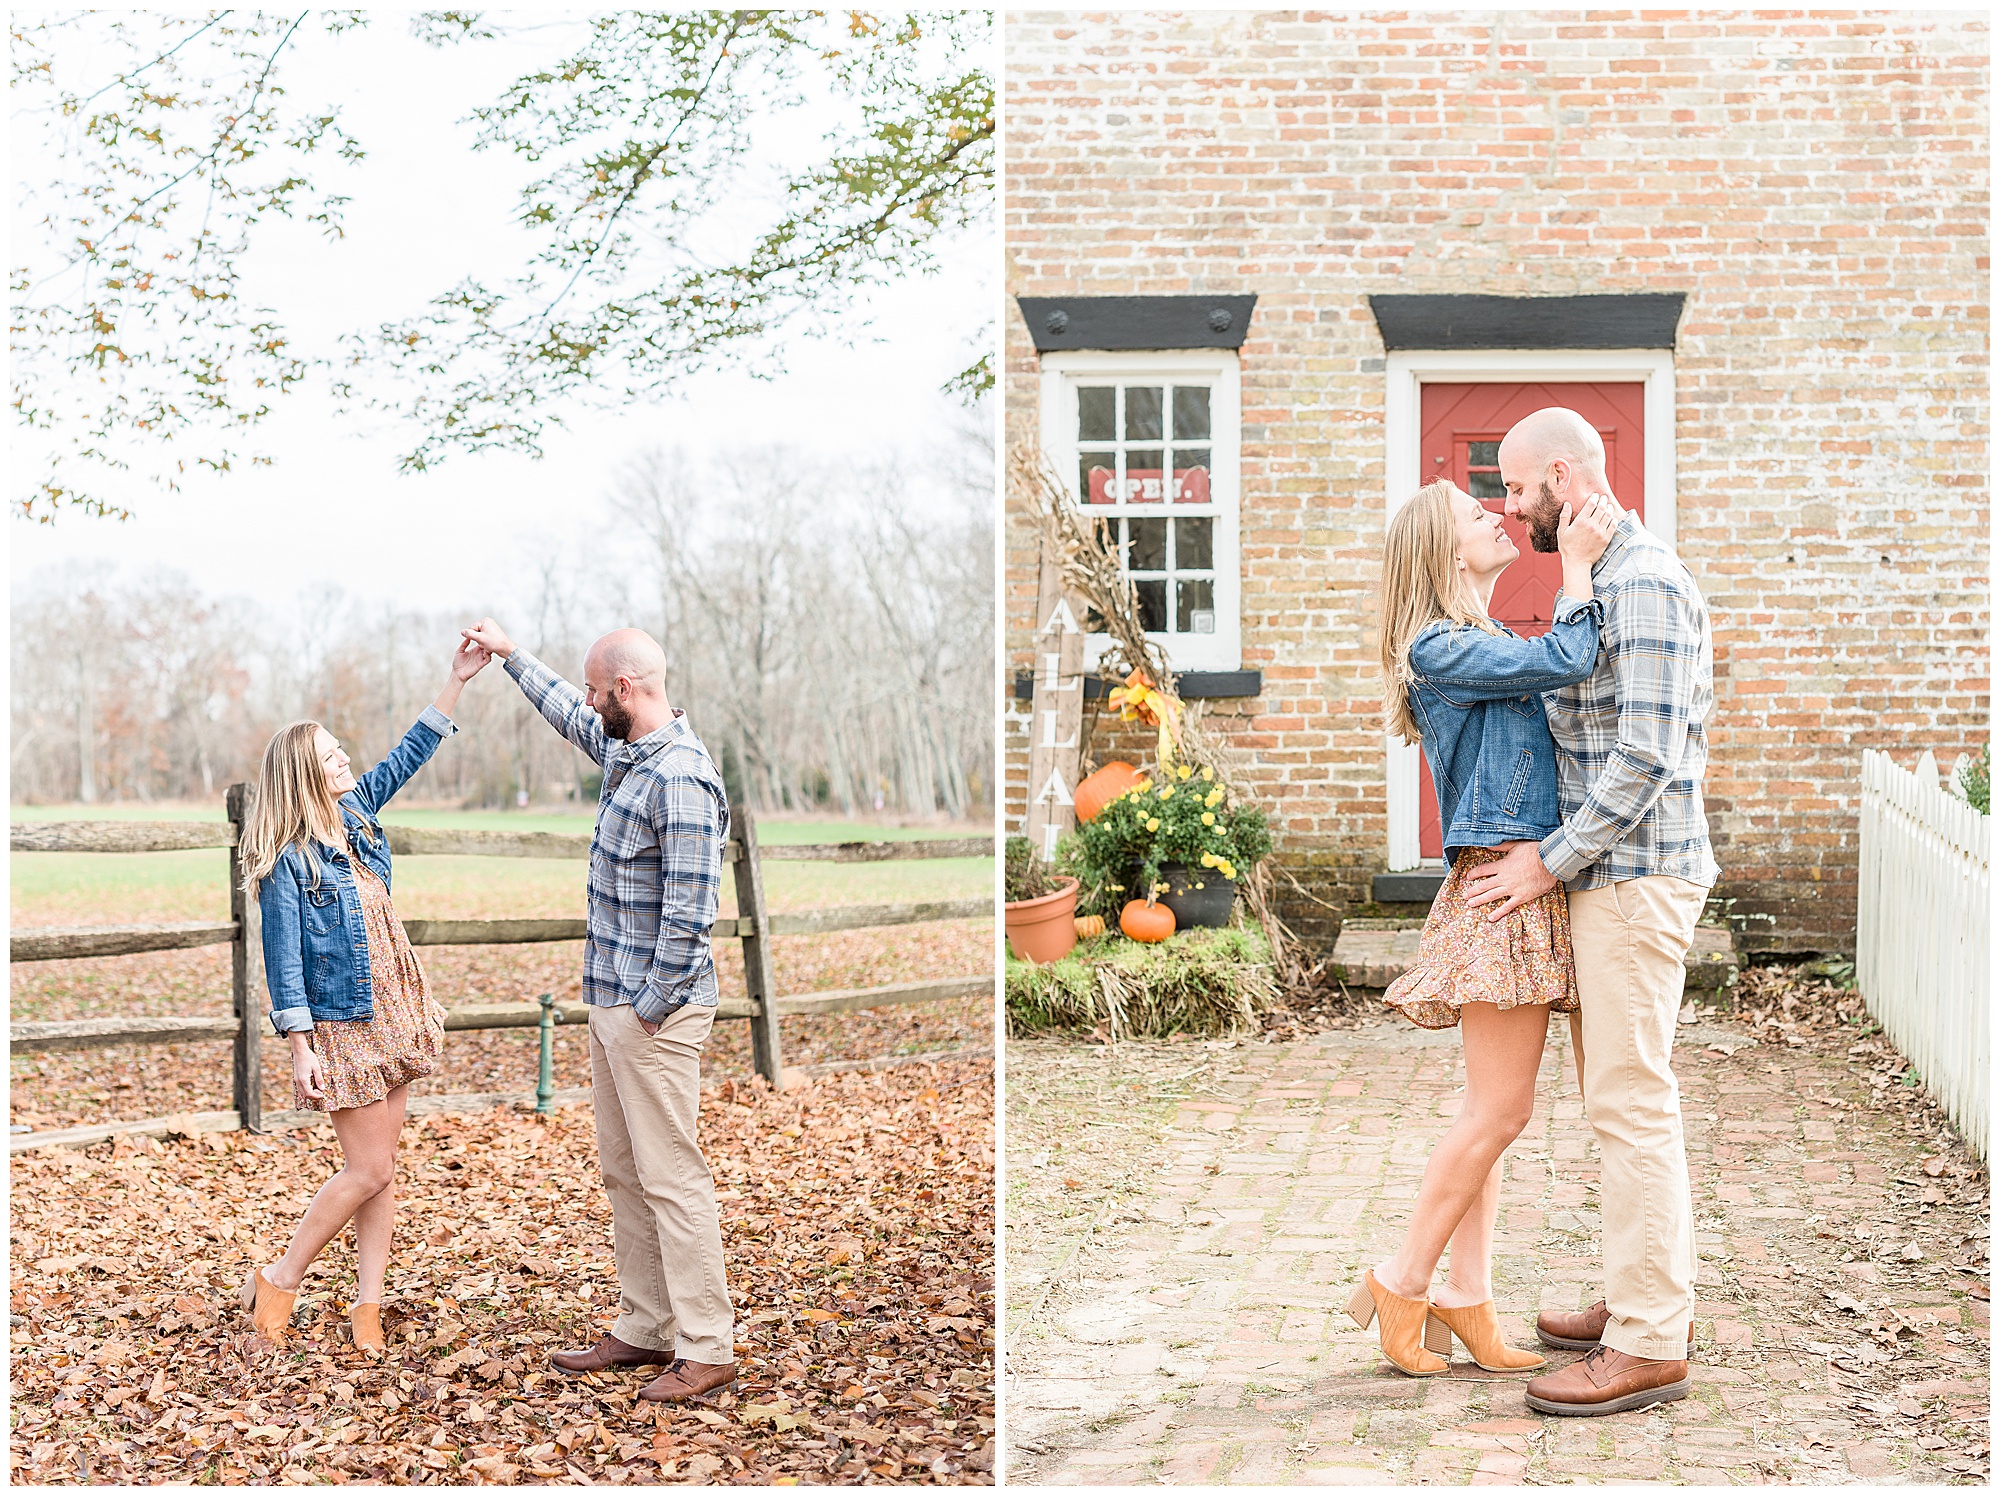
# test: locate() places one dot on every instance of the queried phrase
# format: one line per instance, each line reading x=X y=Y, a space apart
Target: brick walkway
x=1191 y=1332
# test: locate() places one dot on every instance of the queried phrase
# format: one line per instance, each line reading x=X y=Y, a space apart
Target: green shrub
x=1975 y=778
x=1183 y=817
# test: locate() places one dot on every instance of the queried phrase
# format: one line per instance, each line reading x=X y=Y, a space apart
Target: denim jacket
x=1477 y=699
x=315 y=940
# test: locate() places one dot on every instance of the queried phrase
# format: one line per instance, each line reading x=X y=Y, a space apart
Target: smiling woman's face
x=1482 y=540
x=339 y=774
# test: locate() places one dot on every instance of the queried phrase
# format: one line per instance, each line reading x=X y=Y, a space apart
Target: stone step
x=1372 y=953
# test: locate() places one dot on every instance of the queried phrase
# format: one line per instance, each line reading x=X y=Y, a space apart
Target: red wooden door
x=1461 y=429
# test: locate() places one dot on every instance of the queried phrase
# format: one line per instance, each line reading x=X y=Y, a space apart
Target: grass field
x=60 y=888
x=97 y=889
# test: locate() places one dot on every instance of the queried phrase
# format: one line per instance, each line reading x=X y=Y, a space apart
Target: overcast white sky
x=426 y=211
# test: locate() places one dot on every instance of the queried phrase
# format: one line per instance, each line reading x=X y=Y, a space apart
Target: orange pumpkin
x=1089 y=925
x=1150 y=923
x=1100 y=789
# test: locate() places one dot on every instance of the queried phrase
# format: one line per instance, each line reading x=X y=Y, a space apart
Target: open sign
x=1149 y=486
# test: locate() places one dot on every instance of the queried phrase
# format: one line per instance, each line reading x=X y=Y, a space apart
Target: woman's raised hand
x=1583 y=537
x=468 y=660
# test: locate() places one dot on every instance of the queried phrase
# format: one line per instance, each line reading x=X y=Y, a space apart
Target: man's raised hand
x=490 y=637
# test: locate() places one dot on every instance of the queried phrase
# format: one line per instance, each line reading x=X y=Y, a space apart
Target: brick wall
x=1816 y=184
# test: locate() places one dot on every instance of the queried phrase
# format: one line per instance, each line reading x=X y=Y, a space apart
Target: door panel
x=1461 y=429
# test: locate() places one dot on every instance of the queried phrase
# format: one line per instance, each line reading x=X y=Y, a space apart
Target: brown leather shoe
x=607 y=1353
x=686 y=1380
x=1608 y=1381
x=1580 y=1330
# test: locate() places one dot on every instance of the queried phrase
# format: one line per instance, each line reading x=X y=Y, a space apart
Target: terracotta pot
x=1204 y=908
x=1043 y=930
x=1099 y=789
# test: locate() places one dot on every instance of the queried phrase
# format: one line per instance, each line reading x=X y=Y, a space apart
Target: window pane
x=1096 y=416
x=1191 y=475
x=1095 y=478
x=1194 y=544
x=1194 y=611
x=1486 y=486
x=1149 y=545
x=1142 y=413
x=1152 y=606
x=1484 y=454
x=1144 y=476
x=1190 y=413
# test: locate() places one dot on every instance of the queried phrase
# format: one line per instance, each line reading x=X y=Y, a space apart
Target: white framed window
x=1150 y=446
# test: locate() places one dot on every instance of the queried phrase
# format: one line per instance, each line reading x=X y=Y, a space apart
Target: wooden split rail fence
x=753 y=925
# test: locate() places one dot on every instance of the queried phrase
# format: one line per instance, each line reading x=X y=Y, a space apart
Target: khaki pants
x=646 y=1092
x=1630 y=940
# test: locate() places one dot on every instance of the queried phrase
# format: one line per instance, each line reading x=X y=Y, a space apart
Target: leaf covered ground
x=858 y=1227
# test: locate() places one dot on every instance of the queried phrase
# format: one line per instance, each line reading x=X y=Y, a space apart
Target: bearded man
x=1633 y=850
x=655 y=881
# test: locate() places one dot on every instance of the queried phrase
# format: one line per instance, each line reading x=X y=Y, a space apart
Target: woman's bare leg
x=1503 y=1057
x=368 y=1143
x=1470 y=1280
x=375 y=1222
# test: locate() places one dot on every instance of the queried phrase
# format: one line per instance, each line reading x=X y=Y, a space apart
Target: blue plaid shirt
x=1632 y=740
x=655 y=858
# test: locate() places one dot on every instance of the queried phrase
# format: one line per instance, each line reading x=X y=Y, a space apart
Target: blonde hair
x=1420 y=585
x=292 y=805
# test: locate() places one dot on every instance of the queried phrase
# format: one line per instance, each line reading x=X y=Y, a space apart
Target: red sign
x=1147 y=486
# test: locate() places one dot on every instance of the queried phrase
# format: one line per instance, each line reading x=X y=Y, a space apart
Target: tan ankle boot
x=1402 y=1327
x=270 y=1307
x=1478 y=1329
x=366 y=1322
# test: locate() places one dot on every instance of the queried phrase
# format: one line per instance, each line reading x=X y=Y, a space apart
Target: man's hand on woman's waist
x=1518 y=878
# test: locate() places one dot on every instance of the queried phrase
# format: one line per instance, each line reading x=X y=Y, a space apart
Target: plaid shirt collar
x=1622 y=541
x=637 y=751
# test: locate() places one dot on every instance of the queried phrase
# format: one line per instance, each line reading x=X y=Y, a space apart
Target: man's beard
x=1544 y=520
x=617 y=721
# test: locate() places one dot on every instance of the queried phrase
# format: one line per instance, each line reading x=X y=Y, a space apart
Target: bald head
x=1551 y=458
x=632 y=653
x=1555 y=434
x=625 y=683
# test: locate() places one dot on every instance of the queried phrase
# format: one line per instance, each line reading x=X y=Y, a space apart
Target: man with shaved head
x=655 y=879
x=1633 y=849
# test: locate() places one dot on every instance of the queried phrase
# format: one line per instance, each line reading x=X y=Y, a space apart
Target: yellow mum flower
x=1167 y=793
x=1208 y=818
x=1208 y=859
x=1208 y=774
x=1185 y=771
x=1153 y=824
x=1140 y=786
x=1213 y=798
x=1228 y=871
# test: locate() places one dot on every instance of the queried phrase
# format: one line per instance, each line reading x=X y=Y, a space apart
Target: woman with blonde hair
x=1468 y=689
x=346 y=989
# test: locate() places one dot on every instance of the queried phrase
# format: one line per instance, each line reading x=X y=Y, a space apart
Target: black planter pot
x=1203 y=908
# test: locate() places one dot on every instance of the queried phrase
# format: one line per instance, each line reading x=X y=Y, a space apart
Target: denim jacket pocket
x=321 y=908
x=1517 y=787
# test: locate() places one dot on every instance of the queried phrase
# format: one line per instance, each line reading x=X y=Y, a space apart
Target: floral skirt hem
x=1464 y=957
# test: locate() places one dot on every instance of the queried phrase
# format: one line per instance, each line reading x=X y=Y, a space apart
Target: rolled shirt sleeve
x=690 y=821
x=1651 y=638
x=284 y=952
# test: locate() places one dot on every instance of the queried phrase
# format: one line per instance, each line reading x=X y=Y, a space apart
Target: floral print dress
x=365 y=1059
x=1464 y=957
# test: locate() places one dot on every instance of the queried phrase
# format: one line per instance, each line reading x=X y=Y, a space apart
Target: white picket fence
x=1921 y=934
